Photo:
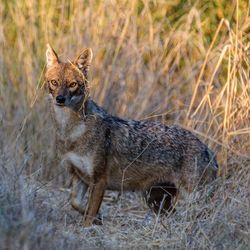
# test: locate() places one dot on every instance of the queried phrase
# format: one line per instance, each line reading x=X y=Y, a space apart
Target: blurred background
x=179 y=62
x=184 y=62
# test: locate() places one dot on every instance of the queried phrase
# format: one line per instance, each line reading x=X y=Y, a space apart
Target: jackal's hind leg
x=160 y=197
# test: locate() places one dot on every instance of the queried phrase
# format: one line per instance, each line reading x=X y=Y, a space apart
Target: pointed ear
x=51 y=56
x=83 y=61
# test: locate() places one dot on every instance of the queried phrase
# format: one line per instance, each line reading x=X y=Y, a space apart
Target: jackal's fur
x=106 y=152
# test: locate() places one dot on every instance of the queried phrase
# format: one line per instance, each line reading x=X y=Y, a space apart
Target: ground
x=42 y=218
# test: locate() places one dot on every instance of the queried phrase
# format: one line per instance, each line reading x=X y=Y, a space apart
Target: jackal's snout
x=60 y=99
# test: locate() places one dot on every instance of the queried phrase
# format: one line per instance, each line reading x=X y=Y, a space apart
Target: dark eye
x=72 y=84
x=54 y=83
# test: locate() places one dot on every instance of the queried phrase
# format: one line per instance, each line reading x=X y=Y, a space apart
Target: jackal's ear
x=51 y=56
x=83 y=61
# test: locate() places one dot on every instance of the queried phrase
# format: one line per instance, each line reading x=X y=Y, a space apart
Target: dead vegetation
x=181 y=62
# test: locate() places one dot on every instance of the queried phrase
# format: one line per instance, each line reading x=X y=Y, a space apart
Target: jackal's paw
x=88 y=222
x=98 y=220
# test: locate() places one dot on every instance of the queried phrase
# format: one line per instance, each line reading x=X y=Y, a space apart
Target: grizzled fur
x=106 y=152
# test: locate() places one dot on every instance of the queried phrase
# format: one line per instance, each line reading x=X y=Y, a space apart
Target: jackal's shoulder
x=136 y=128
x=91 y=108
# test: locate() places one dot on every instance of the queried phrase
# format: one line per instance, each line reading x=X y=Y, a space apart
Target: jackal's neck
x=64 y=118
x=91 y=108
x=67 y=118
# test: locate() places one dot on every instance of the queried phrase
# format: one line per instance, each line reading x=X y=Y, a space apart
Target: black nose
x=60 y=99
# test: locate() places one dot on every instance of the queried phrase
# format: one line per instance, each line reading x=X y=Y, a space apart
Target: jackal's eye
x=72 y=85
x=53 y=83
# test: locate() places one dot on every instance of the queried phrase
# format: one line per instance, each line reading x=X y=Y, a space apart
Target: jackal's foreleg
x=82 y=169
x=96 y=194
x=73 y=164
x=78 y=191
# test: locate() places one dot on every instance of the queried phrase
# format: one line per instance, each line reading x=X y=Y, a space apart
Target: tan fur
x=103 y=152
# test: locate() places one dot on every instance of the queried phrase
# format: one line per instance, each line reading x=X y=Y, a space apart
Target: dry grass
x=184 y=62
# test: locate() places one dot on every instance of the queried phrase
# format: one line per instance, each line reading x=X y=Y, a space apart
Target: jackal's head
x=68 y=82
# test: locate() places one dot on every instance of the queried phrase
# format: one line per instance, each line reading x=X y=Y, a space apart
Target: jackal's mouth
x=60 y=104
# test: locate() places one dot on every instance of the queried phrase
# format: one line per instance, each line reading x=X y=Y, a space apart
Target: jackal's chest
x=82 y=164
x=69 y=127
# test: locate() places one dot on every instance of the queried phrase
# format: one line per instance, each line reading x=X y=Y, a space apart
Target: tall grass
x=182 y=62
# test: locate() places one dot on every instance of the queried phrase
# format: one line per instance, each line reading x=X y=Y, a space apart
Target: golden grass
x=184 y=62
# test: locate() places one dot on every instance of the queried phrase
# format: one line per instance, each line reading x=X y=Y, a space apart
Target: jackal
x=103 y=151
